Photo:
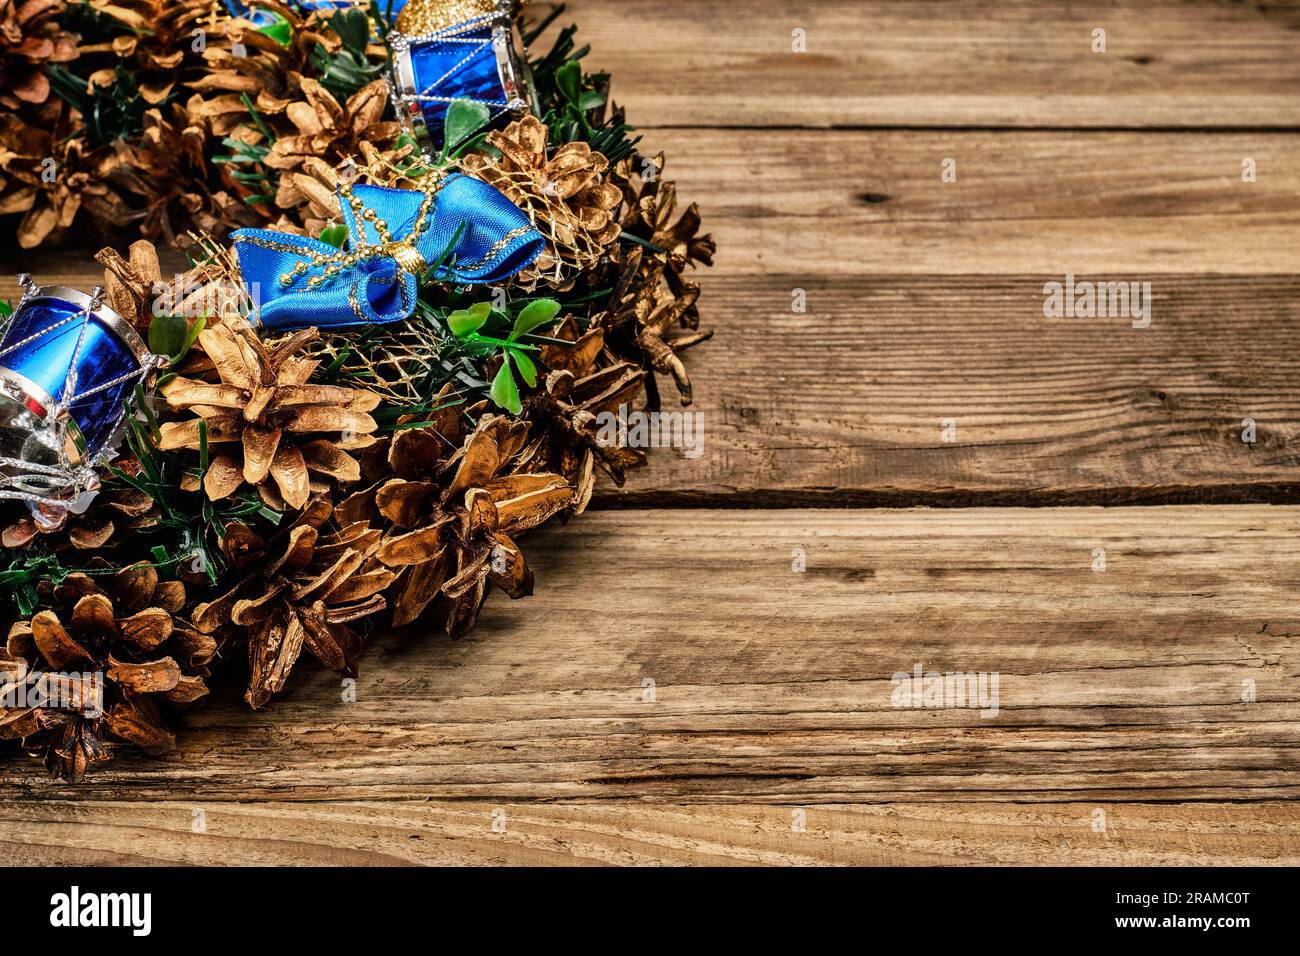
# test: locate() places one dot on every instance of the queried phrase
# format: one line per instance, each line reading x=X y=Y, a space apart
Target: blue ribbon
x=472 y=232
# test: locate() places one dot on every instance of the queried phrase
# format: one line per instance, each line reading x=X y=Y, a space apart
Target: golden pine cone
x=565 y=195
x=289 y=436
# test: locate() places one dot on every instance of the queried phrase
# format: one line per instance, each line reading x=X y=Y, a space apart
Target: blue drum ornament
x=68 y=366
x=447 y=50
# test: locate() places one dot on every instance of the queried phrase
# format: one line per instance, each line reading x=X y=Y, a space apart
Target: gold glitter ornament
x=428 y=16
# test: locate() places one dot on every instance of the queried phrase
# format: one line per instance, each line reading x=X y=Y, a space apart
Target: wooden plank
x=469 y=834
x=849 y=402
x=776 y=687
x=964 y=63
x=873 y=203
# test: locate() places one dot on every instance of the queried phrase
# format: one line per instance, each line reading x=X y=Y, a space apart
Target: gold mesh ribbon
x=426 y=16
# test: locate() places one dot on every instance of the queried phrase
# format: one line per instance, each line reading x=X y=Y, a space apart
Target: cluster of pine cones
x=385 y=526
x=129 y=118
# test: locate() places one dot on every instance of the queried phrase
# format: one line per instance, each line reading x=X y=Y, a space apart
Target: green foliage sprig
x=572 y=103
x=109 y=113
x=349 y=69
x=470 y=326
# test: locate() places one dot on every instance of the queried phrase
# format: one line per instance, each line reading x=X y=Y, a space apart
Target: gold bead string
x=403 y=251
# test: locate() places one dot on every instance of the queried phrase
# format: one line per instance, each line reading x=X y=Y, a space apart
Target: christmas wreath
x=427 y=268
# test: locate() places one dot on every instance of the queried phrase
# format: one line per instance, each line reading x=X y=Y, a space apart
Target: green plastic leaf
x=535 y=314
x=353 y=28
x=167 y=334
x=467 y=321
x=27 y=599
x=335 y=235
x=569 y=79
x=278 y=29
x=475 y=142
x=196 y=328
x=591 y=100
x=505 y=393
x=527 y=369
x=6 y=309
x=203 y=448
x=173 y=336
x=464 y=119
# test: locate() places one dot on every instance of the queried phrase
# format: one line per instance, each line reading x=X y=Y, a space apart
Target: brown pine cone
x=651 y=205
x=112 y=652
x=324 y=133
x=83 y=183
x=577 y=390
x=31 y=37
x=300 y=589
x=461 y=526
x=647 y=322
x=165 y=173
x=288 y=436
x=112 y=514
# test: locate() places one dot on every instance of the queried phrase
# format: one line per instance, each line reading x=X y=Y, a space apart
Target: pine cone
x=31 y=37
x=286 y=430
x=651 y=205
x=301 y=589
x=465 y=528
x=134 y=286
x=240 y=59
x=310 y=133
x=157 y=42
x=165 y=170
x=83 y=182
x=565 y=195
x=131 y=286
x=123 y=631
x=324 y=135
x=575 y=393
x=114 y=513
x=23 y=147
x=407 y=499
x=647 y=322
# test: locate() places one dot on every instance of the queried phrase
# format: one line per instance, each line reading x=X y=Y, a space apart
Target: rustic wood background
x=769 y=737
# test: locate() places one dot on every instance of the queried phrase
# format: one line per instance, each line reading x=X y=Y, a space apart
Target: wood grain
x=872 y=203
x=463 y=834
x=1120 y=691
x=774 y=687
x=847 y=402
x=966 y=63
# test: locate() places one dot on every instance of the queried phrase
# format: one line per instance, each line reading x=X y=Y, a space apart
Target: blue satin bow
x=478 y=235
